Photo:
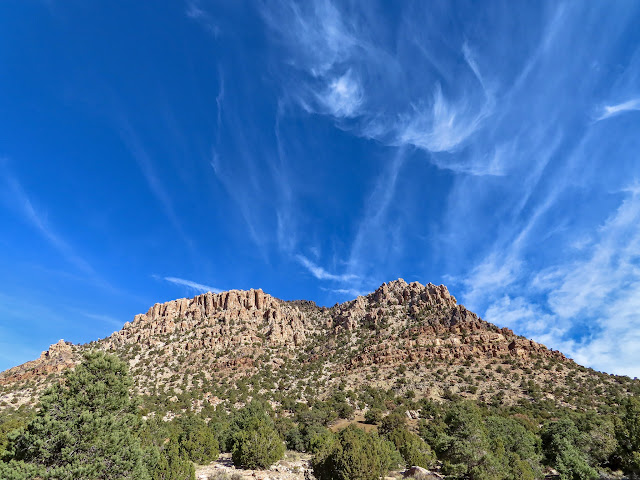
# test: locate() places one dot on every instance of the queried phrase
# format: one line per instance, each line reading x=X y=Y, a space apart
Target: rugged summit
x=411 y=337
x=214 y=316
x=58 y=358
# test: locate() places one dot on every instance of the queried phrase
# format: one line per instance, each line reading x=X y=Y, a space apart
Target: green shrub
x=628 y=436
x=394 y=421
x=354 y=455
x=169 y=463
x=18 y=470
x=259 y=446
x=561 y=443
x=86 y=427
x=373 y=416
x=10 y=420
x=198 y=441
x=464 y=445
x=414 y=450
x=516 y=448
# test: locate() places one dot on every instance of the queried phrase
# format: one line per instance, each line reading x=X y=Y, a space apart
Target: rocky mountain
x=412 y=338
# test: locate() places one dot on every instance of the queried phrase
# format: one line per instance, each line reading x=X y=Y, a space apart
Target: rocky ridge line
x=216 y=315
x=399 y=323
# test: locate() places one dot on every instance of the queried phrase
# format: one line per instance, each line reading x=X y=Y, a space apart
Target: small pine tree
x=169 y=463
x=414 y=450
x=86 y=426
x=373 y=416
x=256 y=442
x=259 y=446
x=628 y=434
x=561 y=444
x=355 y=455
x=18 y=470
x=198 y=441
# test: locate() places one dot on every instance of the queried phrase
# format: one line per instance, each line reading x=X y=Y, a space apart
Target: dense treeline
x=89 y=426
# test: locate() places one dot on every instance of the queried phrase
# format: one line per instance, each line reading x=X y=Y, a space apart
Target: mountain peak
x=364 y=341
x=399 y=291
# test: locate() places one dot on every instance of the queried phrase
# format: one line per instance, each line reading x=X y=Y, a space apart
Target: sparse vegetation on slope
x=245 y=373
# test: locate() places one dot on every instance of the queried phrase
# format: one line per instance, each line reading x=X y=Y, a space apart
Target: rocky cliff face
x=240 y=333
x=58 y=358
x=216 y=318
x=390 y=300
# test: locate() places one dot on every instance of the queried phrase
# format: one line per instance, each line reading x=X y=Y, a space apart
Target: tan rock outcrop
x=236 y=332
x=215 y=319
x=59 y=357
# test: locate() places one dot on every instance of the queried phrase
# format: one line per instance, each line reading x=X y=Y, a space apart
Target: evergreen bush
x=355 y=455
x=258 y=446
x=86 y=427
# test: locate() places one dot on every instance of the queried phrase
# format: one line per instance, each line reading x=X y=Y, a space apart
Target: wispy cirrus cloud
x=286 y=214
x=321 y=274
x=555 y=253
x=241 y=173
x=348 y=74
x=438 y=126
x=327 y=37
x=155 y=183
x=609 y=111
x=343 y=96
x=350 y=292
x=103 y=318
x=195 y=286
x=375 y=232
x=494 y=273
x=610 y=265
x=587 y=305
x=195 y=12
x=21 y=202
x=338 y=67
x=490 y=167
x=521 y=315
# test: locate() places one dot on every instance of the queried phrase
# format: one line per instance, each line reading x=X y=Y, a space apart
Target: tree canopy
x=86 y=427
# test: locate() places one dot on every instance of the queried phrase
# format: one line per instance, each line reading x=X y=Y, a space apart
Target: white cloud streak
x=343 y=96
x=517 y=138
x=155 y=184
x=609 y=111
x=338 y=52
x=521 y=315
x=322 y=274
x=286 y=230
x=375 y=233
x=195 y=12
x=611 y=263
x=103 y=318
x=588 y=306
x=493 y=274
x=351 y=292
x=239 y=176
x=195 y=286
x=342 y=70
x=441 y=126
x=21 y=202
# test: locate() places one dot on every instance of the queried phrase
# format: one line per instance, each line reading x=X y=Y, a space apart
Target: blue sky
x=155 y=150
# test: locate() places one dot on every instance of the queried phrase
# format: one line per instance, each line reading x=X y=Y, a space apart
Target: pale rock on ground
x=293 y=467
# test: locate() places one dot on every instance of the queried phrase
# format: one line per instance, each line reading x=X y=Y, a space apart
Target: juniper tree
x=628 y=433
x=355 y=455
x=256 y=442
x=561 y=442
x=86 y=426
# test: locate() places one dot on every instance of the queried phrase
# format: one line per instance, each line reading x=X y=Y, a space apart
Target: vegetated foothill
x=432 y=384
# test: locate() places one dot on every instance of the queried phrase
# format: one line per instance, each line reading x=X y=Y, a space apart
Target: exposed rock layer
x=58 y=358
x=397 y=324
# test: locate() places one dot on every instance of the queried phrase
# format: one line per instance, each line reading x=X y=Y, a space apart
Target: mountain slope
x=412 y=338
